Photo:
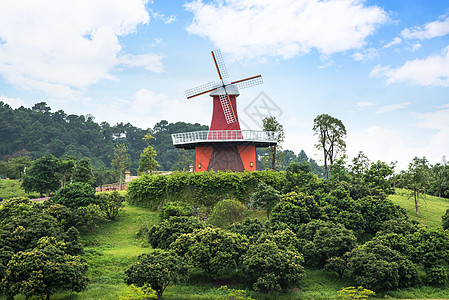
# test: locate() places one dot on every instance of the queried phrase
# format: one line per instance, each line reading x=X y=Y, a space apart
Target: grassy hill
x=430 y=211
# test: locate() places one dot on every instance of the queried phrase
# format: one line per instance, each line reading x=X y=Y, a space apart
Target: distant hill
x=38 y=131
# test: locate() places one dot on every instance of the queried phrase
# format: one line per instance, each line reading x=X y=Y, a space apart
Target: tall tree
x=360 y=164
x=42 y=176
x=331 y=133
x=83 y=172
x=148 y=162
x=417 y=179
x=120 y=160
x=270 y=124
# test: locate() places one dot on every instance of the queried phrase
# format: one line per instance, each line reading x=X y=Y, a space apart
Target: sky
x=380 y=66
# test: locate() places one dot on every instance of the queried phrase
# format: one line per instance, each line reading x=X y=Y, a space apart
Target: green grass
x=430 y=211
x=12 y=188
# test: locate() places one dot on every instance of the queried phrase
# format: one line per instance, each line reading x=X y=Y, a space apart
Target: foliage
x=175 y=209
x=227 y=212
x=324 y=240
x=213 y=250
x=337 y=264
x=158 y=269
x=167 y=231
x=138 y=293
x=437 y=276
x=352 y=293
x=147 y=162
x=44 y=270
x=251 y=228
x=380 y=268
x=89 y=217
x=199 y=189
x=295 y=209
x=331 y=133
x=445 y=220
x=266 y=197
x=111 y=203
x=75 y=195
x=83 y=172
x=42 y=176
x=270 y=269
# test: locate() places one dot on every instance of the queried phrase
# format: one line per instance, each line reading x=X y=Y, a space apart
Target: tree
x=158 y=269
x=331 y=133
x=167 y=231
x=42 y=176
x=417 y=179
x=65 y=169
x=213 y=250
x=227 y=212
x=44 y=270
x=270 y=124
x=360 y=164
x=270 y=269
x=120 y=160
x=75 y=195
x=266 y=197
x=147 y=162
x=83 y=172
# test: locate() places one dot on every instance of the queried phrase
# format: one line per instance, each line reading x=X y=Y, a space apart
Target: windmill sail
x=227 y=108
x=219 y=64
x=248 y=82
x=202 y=89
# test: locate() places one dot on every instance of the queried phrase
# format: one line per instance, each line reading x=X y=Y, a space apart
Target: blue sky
x=382 y=67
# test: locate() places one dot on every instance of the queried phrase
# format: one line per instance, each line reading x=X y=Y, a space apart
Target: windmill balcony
x=188 y=140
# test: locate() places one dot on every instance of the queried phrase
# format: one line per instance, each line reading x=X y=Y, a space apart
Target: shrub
x=266 y=197
x=111 y=203
x=270 y=269
x=89 y=217
x=78 y=194
x=157 y=269
x=436 y=276
x=227 y=212
x=213 y=250
x=162 y=235
x=445 y=219
x=352 y=293
x=380 y=268
x=251 y=228
x=323 y=240
x=175 y=209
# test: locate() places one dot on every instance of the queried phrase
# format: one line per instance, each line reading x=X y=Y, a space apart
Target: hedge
x=202 y=188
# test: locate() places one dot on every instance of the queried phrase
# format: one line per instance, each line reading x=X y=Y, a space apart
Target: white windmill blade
x=248 y=82
x=228 y=110
x=202 y=89
x=219 y=64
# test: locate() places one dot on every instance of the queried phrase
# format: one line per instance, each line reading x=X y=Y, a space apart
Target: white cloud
x=365 y=54
x=392 y=107
x=416 y=47
x=285 y=28
x=365 y=104
x=429 y=30
x=430 y=71
x=13 y=102
x=395 y=41
x=61 y=47
x=151 y=62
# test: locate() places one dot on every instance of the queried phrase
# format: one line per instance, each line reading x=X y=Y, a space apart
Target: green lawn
x=12 y=188
x=430 y=211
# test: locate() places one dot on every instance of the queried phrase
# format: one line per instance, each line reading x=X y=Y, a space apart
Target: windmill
x=225 y=146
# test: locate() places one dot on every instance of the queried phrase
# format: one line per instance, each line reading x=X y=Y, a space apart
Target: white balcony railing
x=224 y=136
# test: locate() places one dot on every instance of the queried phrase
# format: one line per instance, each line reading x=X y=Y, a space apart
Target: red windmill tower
x=225 y=146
